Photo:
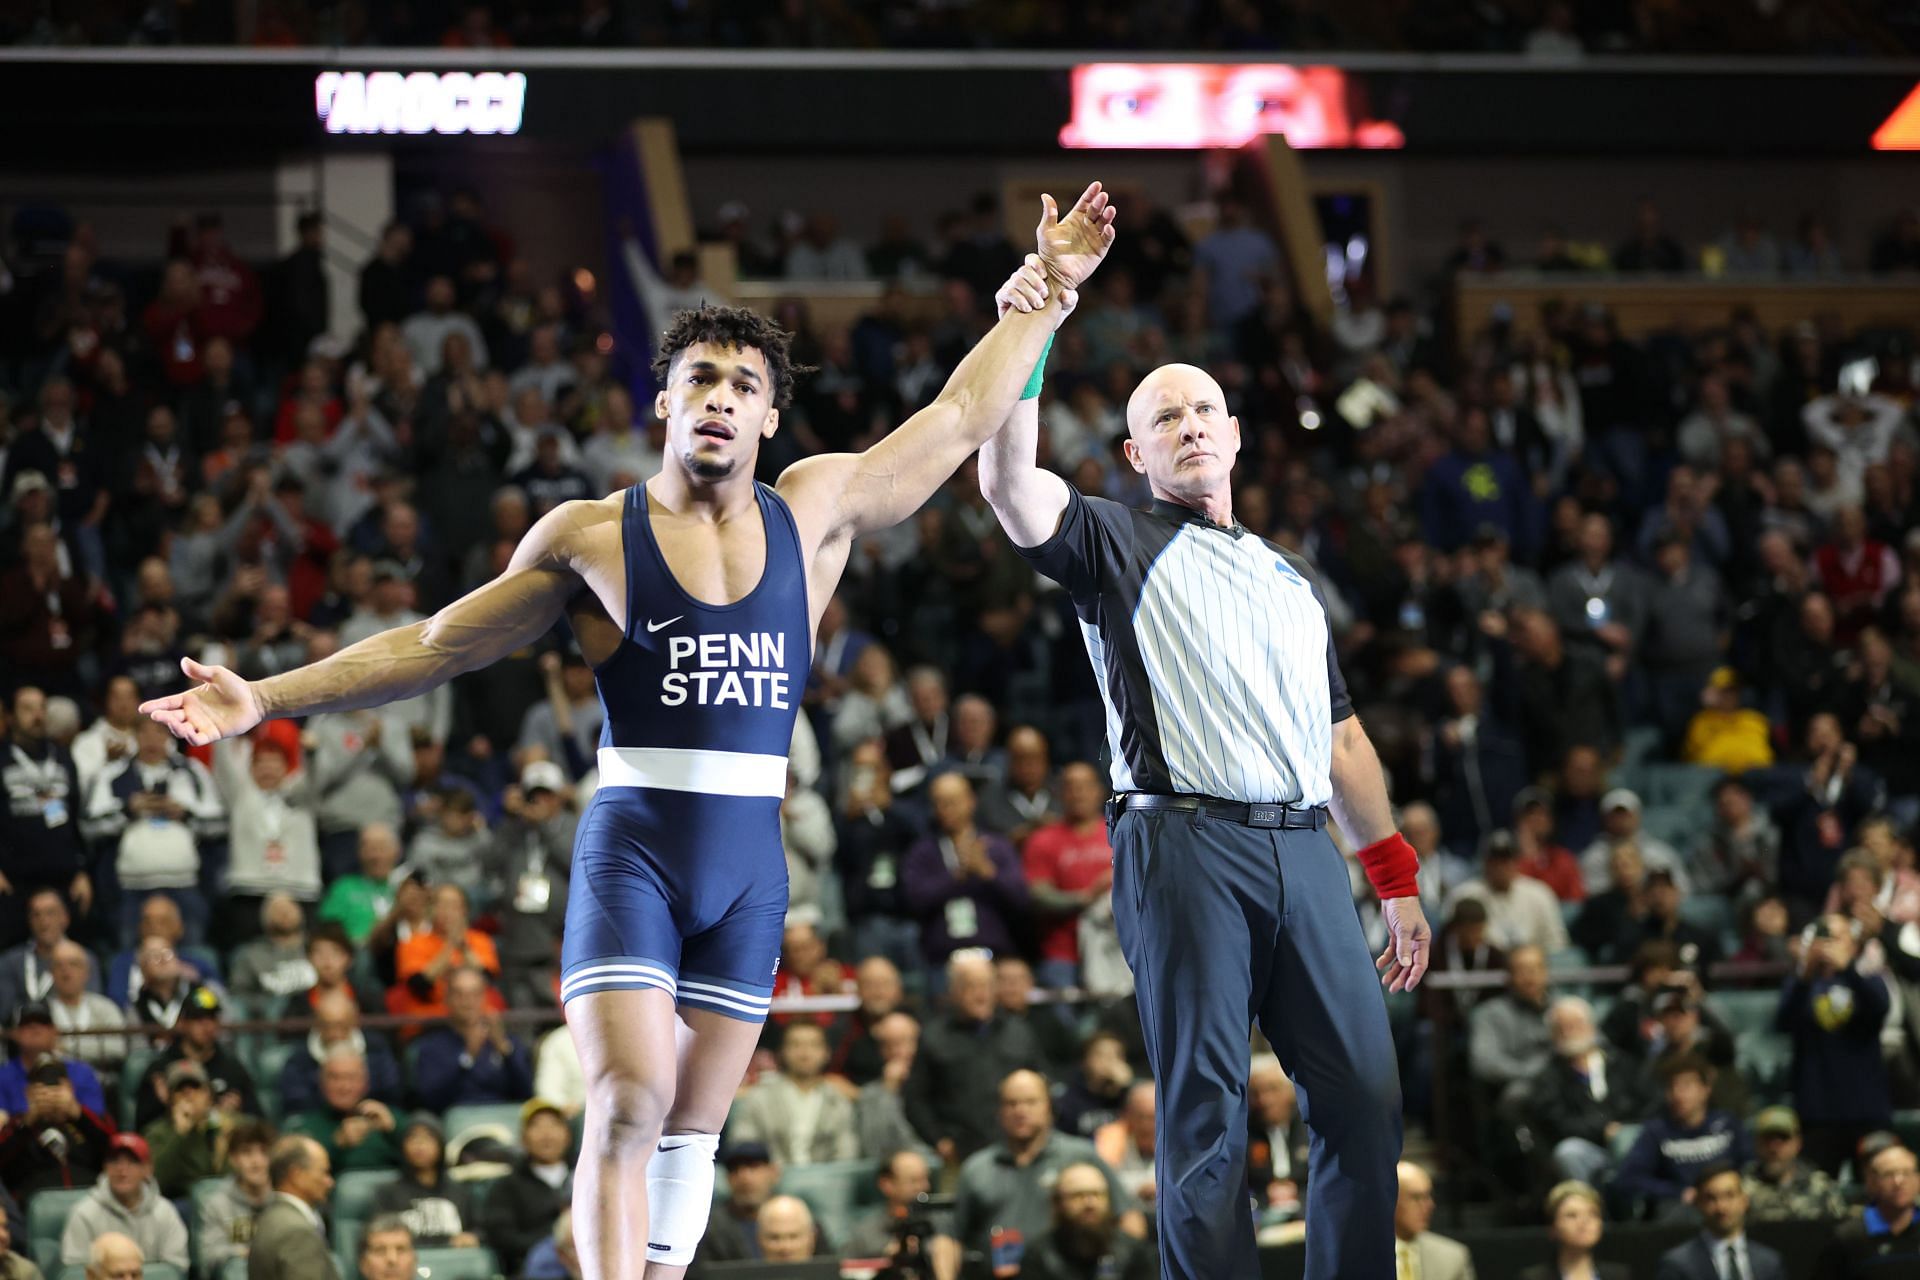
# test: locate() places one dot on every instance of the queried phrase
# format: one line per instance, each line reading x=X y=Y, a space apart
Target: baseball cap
x=542 y=775
x=202 y=1002
x=1619 y=798
x=1777 y=1120
x=1500 y=845
x=186 y=1071
x=27 y=482
x=1531 y=798
x=31 y=1012
x=49 y=1070
x=129 y=1144
x=534 y=1106
x=740 y=1153
x=1668 y=999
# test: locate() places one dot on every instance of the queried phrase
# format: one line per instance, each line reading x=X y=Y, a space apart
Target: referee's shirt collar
x=1179 y=514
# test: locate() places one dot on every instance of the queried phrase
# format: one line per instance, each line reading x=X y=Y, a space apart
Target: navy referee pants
x=1225 y=925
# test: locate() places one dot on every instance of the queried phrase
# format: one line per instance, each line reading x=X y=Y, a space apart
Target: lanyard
x=47 y=773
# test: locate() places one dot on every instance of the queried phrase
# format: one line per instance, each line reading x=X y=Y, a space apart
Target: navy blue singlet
x=680 y=882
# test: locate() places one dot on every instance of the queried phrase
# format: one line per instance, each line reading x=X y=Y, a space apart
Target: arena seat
x=47 y=1214
x=201 y=1191
x=458 y=1264
x=1623 y=1140
x=152 y=1271
x=832 y=1190
x=462 y=1118
x=1679 y=825
x=1680 y=784
x=1710 y=911
x=132 y=1072
x=1745 y=1010
x=1765 y=1058
x=352 y=1203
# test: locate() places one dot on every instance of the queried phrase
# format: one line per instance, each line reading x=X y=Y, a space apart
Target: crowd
x=1552 y=29
x=1635 y=625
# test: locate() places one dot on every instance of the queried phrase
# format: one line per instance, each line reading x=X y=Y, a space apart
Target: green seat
x=1907 y=1125
x=131 y=1074
x=47 y=1215
x=1709 y=911
x=152 y=1271
x=1745 y=1011
x=460 y=1119
x=1678 y=825
x=1765 y=1058
x=269 y=1060
x=236 y=1269
x=197 y=1196
x=1680 y=785
x=353 y=1191
x=1623 y=1140
x=1640 y=742
x=458 y=1264
x=832 y=1190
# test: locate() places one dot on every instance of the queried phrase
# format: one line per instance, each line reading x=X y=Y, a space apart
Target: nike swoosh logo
x=655 y=626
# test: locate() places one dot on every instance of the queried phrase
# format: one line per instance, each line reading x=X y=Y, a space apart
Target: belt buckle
x=1265 y=815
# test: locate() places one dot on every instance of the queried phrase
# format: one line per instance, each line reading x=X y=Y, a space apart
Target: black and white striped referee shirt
x=1211 y=649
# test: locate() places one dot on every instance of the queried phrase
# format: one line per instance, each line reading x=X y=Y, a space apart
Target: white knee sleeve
x=679 y=1196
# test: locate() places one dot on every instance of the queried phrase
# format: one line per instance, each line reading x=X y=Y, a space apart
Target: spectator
x=224 y=1229
x=1886 y=1229
x=1834 y=1014
x=43 y=846
x=197 y=1038
x=566 y=725
x=1560 y=698
x=110 y=739
x=1681 y=1029
x=1417 y=1250
x=951 y=1093
x=1539 y=856
x=1508 y=1039
x=966 y=887
x=904 y=1180
x=1722 y=1249
x=1521 y=911
x=439 y=1212
x=425 y=332
x=822 y=253
x=1649 y=248
x=787 y=1233
x=427 y=958
x=523 y=1206
x=1095 y=1098
x=1069 y=865
x=332 y=958
x=114 y=1256
x=273 y=844
x=85 y=1016
x=1697 y=947
x=451 y=851
x=471 y=1059
x=1739 y=855
x=1686 y=632
x=1575 y=1218
x=336 y=1024
x=916 y=747
x=527 y=863
x=999 y=1207
x=1703 y=434
x=26 y=970
x=126 y=1200
x=360 y=901
x=274 y=966
x=1472 y=486
x=386 y=1250
x=410 y=915
x=733 y=1232
x=1599 y=602
x=1587 y=1092
x=873 y=839
x=1085 y=1240
x=808 y=839
x=1277 y=1143
x=289 y=1235
x=1620 y=823
x=55 y=1142
x=1781 y=1187
x=557 y=1076
x=1126 y=1144
x=1839 y=792
x=880 y=1113
x=154 y=808
x=355 y=1129
x=796 y=1113
x=1023 y=802
x=360 y=761
x=13 y=1264
x=190 y=1142
x=1014 y=992
x=49 y=618
x=36 y=1040
x=1676 y=1143
x=876 y=982
x=1234 y=262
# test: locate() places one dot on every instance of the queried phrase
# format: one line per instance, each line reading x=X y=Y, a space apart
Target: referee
x=1232 y=736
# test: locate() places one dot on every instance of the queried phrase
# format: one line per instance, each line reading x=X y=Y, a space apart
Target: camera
x=912 y=1233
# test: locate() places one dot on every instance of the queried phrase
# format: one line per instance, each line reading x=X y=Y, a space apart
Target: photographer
x=1834 y=1012
x=57 y=1142
x=190 y=1142
x=904 y=1229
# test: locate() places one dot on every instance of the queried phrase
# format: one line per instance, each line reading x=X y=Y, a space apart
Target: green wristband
x=1039 y=371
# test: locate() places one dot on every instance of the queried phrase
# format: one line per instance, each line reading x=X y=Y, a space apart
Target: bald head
x=786 y=1230
x=1168 y=385
x=1181 y=437
x=114 y=1256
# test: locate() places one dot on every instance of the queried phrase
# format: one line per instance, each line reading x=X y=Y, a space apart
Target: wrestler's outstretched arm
x=487 y=623
x=863 y=492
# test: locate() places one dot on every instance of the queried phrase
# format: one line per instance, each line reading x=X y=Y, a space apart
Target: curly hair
x=736 y=327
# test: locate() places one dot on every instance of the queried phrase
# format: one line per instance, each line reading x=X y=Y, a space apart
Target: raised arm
x=1028 y=499
x=488 y=623
x=889 y=482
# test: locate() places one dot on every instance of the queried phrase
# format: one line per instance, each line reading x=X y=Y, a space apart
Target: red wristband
x=1391 y=865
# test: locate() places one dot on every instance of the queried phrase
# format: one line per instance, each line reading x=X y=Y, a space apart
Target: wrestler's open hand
x=1409 y=944
x=1073 y=246
x=1026 y=290
x=221 y=706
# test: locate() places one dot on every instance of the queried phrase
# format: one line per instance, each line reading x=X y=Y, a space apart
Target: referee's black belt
x=1280 y=816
